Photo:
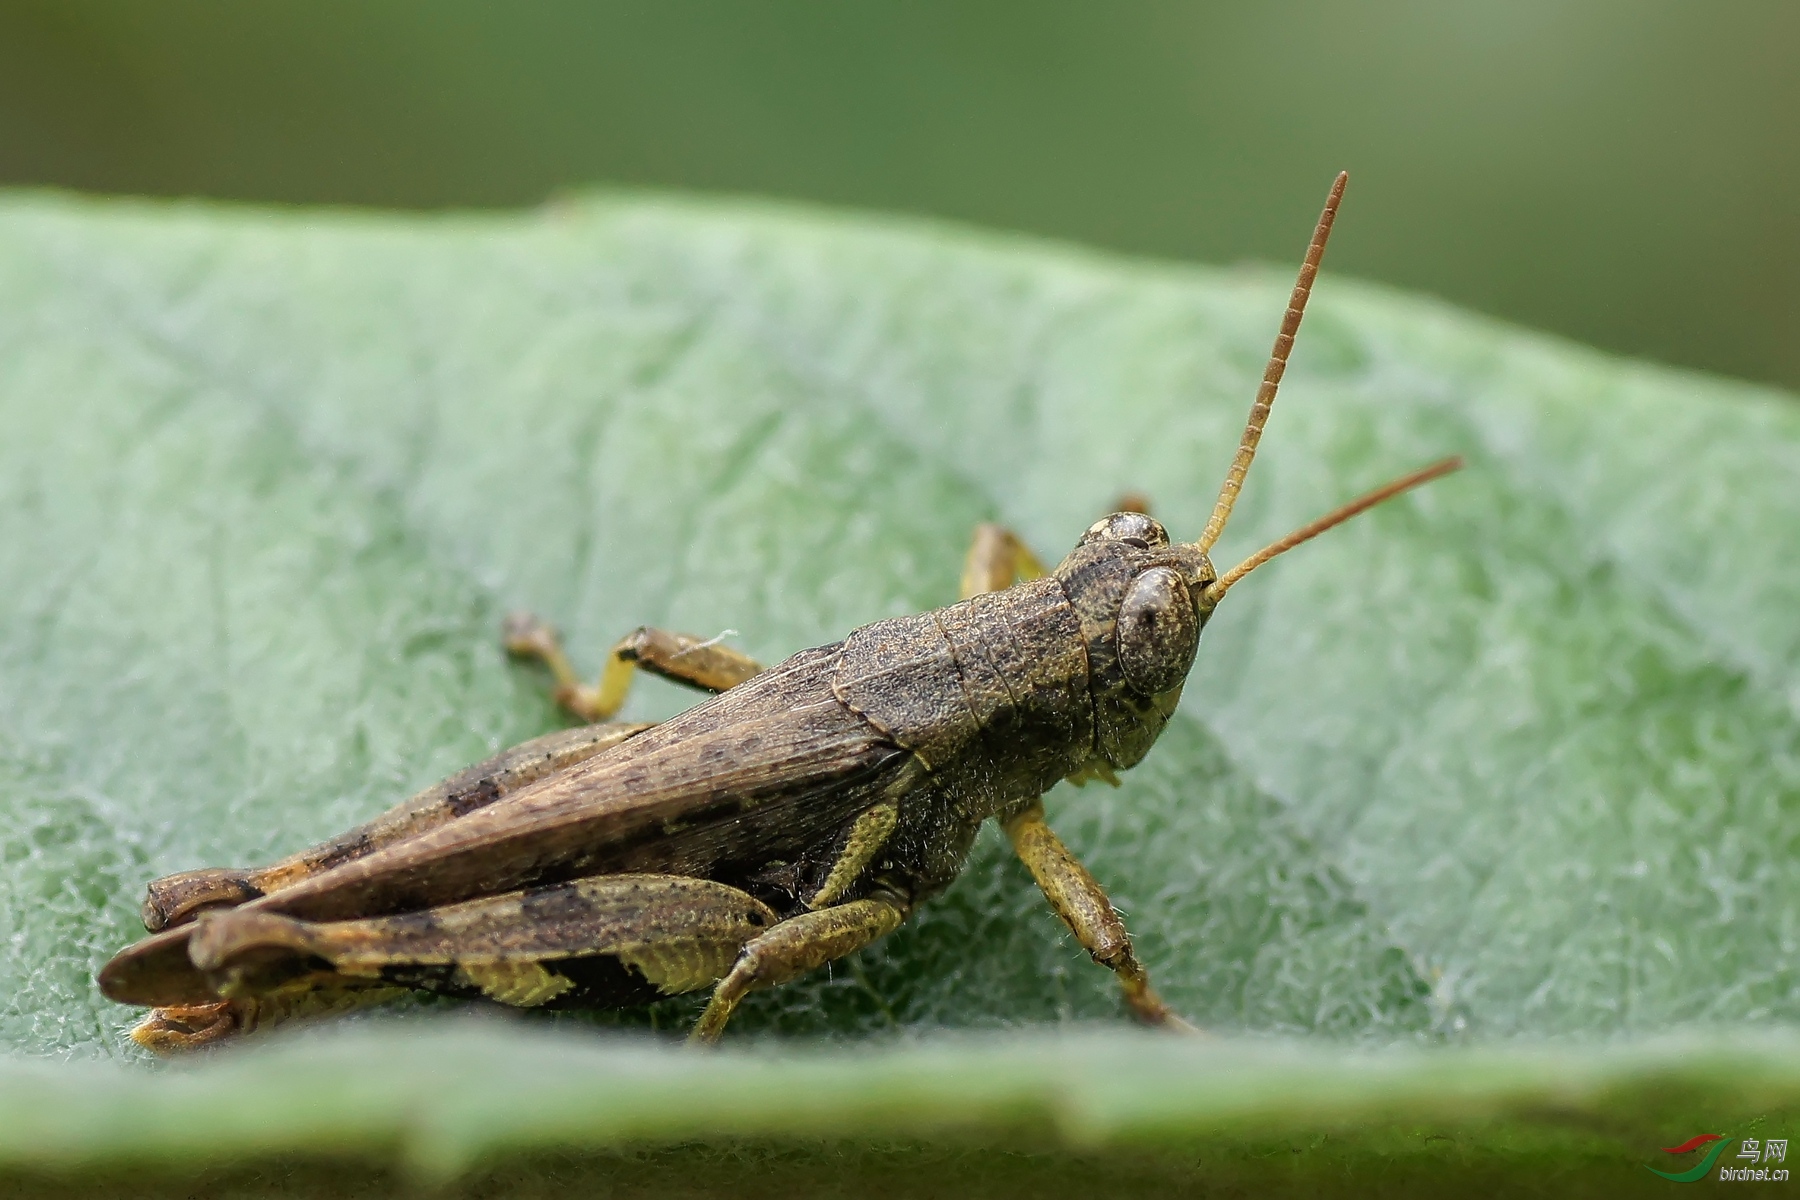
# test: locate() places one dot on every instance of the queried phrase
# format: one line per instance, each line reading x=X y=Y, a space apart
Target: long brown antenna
x=1216 y=590
x=1284 y=342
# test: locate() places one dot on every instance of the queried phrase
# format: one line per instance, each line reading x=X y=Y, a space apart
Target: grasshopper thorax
x=1160 y=614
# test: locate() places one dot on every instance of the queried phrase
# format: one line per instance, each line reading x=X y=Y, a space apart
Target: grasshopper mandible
x=800 y=814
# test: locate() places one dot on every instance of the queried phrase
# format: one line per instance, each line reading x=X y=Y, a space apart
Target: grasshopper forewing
x=796 y=816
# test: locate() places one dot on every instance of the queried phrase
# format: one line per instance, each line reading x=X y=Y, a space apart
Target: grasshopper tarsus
x=182 y=1028
x=799 y=814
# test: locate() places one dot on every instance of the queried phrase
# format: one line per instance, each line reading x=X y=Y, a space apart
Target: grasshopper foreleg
x=796 y=946
x=702 y=663
x=1078 y=899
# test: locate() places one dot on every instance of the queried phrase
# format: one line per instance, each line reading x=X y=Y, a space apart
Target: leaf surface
x=1515 y=758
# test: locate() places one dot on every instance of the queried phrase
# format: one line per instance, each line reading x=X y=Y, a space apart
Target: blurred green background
x=1625 y=173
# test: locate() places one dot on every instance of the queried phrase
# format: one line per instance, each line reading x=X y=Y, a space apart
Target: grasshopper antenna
x=1216 y=590
x=1271 y=381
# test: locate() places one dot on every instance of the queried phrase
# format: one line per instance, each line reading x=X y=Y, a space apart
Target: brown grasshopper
x=797 y=816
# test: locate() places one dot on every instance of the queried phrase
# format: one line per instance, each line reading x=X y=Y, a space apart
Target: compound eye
x=1158 y=631
x=1137 y=528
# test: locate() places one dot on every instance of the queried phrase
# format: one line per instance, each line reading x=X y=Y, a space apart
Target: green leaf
x=1512 y=761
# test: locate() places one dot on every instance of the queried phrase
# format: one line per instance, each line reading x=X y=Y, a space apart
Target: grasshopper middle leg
x=697 y=662
x=796 y=946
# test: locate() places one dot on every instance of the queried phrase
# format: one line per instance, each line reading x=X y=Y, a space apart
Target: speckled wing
x=756 y=773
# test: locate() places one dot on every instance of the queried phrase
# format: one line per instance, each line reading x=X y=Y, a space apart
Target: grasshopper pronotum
x=800 y=814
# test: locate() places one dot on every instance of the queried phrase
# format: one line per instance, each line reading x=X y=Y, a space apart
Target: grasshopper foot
x=1149 y=1008
x=176 y=1030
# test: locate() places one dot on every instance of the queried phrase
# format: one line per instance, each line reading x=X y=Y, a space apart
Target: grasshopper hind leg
x=608 y=941
x=997 y=559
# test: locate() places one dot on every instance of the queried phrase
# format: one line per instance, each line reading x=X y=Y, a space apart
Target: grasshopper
x=801 y=813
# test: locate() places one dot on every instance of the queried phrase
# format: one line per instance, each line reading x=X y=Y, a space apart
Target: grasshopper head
x=1139 y=598
x=1143 y=600
x=1156 y=627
